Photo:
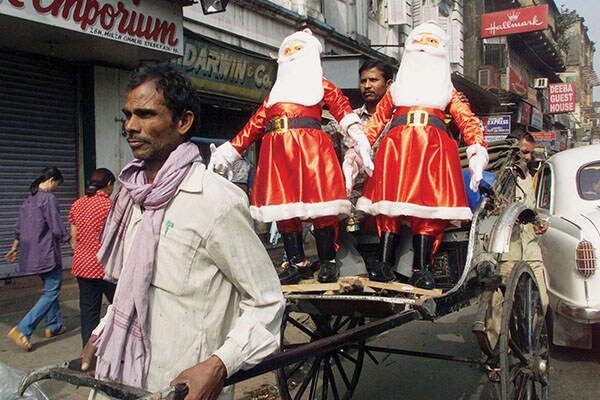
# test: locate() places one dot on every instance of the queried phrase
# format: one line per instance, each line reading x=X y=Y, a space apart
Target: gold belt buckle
x=280 y=124
x=417 y=118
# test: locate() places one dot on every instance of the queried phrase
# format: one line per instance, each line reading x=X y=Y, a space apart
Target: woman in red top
x=87 y=218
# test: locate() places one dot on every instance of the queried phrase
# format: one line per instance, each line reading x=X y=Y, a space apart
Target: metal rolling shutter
x=38 y=128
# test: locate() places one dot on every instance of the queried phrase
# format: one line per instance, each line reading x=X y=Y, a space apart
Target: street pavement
x=573 y=372
x=67 y=347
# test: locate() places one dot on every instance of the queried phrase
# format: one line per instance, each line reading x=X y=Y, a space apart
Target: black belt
x=419 y=118
x=284 y=123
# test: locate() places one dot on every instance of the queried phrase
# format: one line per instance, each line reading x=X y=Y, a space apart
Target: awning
x=482 y=102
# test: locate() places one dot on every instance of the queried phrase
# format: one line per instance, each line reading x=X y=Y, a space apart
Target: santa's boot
x=422 y=276
x=325 y=241
x=382 y=271
x=298 y=266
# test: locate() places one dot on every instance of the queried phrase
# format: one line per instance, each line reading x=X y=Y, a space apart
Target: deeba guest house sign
x=561 y=98
x=152 y=24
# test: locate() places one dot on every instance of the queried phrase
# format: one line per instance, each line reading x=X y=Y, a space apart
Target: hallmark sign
x=152 y=24
x=561 y=98
x=515 y=20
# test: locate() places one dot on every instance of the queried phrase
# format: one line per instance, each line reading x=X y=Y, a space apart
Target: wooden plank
x=401 y=287
x=347 y=282
x=311 y=287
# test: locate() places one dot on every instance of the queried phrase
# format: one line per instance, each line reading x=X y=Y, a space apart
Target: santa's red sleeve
x=252 y=131
x=339 y=106
x=383 y=114
x=466 y=121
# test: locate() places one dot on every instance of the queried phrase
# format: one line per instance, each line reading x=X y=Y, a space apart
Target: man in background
x=374 y=78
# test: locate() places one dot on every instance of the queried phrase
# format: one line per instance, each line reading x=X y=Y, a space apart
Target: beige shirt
x=524 y=242
x=214 y=289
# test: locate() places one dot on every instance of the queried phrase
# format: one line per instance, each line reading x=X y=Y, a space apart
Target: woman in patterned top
x=87 y=218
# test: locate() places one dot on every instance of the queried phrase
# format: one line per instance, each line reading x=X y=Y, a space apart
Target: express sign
x=561 y=98
x=515 y=20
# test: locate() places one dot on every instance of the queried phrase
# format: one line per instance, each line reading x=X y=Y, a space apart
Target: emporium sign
x=152 y=24
x=223 y=70
x=561 y=97
x=516 y=20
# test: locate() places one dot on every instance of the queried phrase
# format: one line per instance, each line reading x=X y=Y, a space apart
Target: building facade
x=63 y=66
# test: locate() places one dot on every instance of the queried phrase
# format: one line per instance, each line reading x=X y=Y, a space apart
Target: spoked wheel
x=524 y=346
x=332 y=375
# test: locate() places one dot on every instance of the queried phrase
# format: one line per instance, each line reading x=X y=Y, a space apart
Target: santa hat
x=304 y=36
x=432 y=28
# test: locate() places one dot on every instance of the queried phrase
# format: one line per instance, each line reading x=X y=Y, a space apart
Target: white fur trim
x=348 y=120
x=432 y=28
x=395 y=209
x=304 y=36
x=303 y=211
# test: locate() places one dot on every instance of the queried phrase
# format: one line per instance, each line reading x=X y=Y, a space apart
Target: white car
x=568 y=195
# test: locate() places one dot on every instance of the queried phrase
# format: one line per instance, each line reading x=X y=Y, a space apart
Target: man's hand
x=11 y=256
x=204 y=380
x=88 y=355
x=541 y=227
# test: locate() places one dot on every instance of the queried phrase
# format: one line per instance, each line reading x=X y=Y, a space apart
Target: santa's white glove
x=363 y=147
x=351 y=166
x=222 y=159
x=478 y=160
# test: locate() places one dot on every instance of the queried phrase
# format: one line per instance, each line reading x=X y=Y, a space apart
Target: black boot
x=422 y=248
x=382 y=271
x=298 y=268
x=325 y=241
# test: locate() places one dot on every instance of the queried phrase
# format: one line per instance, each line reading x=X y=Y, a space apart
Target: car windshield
x=588 y=181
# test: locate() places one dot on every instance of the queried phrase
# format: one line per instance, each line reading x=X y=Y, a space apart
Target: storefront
x=232 y=83
x=57 y=64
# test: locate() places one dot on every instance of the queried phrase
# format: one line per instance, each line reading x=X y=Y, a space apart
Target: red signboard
x=515 y=20
x=516 y=83
x=561 y=98
x=524 y=114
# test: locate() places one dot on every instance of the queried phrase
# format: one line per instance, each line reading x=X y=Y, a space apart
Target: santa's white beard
x=422 y=80
x=299 y=81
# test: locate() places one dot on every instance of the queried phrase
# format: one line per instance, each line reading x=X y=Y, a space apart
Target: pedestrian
x=196 y=298
x=298 y=177
x=418 y=178
x=39 y=233
x=86 y=219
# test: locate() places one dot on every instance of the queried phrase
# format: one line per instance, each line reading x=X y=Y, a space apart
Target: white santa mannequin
x=298 y=177
x=417 y=178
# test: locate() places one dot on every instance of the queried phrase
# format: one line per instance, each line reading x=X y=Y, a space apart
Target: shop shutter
x=38 y=128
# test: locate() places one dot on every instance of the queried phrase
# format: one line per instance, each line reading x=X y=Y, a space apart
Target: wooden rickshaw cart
x=327 y=327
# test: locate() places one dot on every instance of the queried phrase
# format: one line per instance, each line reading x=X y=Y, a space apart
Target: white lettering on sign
x=561 y=98
x=494 y=28
x=117 y=20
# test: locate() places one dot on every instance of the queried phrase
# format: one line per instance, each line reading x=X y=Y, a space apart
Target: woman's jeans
x=47 y=306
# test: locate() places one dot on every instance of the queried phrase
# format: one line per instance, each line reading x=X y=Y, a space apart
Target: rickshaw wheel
x=524 y=348
x=331 y=375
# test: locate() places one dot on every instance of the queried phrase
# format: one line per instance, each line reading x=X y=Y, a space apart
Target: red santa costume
x=417 y=177
x=298 y=176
